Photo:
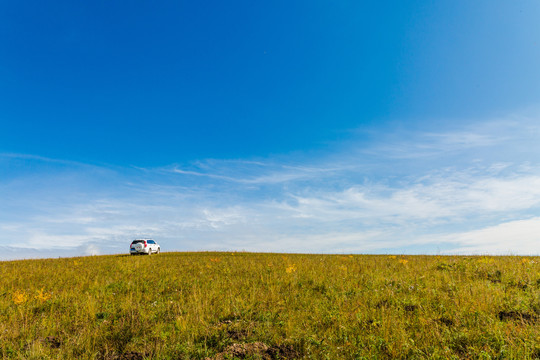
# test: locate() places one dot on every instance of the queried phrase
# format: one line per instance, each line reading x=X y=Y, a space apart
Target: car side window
x=151 y=242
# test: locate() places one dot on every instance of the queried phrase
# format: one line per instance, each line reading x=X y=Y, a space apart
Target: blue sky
x=364 y=127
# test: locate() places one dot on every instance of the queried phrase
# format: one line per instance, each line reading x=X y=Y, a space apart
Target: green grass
x=199 y=305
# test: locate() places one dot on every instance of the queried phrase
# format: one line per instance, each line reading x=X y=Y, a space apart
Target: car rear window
x=138 y=242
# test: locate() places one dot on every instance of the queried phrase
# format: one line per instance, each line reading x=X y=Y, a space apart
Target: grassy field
x=270 y=306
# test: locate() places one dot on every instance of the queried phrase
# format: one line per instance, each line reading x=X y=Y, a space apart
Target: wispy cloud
x=477 y=138
x=256 y=173
x=442 y=197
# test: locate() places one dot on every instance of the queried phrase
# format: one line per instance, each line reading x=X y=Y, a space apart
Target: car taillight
x=145 y=244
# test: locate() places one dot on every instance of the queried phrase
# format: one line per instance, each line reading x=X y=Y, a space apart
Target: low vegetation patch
x=270 y=306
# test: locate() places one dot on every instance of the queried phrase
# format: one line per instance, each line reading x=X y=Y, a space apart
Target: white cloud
x=443 y=198
x=508 y=238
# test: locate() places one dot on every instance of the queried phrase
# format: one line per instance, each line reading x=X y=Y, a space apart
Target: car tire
x=158 y=250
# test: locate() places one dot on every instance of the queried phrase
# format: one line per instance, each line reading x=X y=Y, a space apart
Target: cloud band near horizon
x=470 y=190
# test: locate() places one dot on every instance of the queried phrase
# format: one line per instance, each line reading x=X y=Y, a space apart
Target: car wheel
x=158 y=250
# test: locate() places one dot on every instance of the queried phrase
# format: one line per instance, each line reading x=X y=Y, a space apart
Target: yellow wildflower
x=403 y=261
x=42 y=296
x=392 y=256
x=216 y=260
x=291 y=269
x=19 y=297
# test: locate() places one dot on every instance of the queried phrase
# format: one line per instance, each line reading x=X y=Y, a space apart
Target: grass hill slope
x=270 y=306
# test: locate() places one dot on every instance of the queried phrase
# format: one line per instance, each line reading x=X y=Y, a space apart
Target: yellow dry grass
x=224 y=305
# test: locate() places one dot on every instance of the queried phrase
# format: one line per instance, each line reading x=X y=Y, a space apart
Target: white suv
x=144 y=246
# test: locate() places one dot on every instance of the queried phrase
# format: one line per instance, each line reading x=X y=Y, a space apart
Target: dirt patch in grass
x=410 y=308
x=283 y=351
x=446 y=321
x=517 y=315
x=260 y=349
x=52 y=341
